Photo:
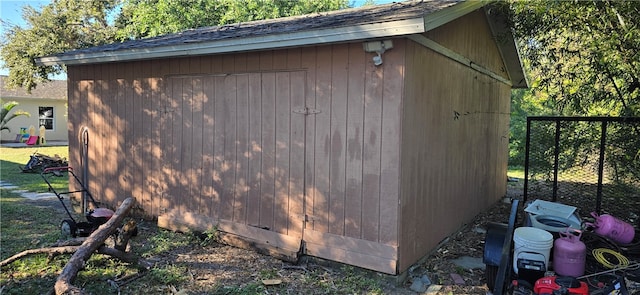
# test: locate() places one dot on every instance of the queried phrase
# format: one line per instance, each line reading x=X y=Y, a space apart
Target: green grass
x=24 y=227
x=515 y=171
x=13 y=159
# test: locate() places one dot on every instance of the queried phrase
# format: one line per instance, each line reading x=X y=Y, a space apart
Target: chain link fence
x=588 y=162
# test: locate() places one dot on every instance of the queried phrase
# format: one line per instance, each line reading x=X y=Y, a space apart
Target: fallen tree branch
x=50 y=251
x=69 y=273
x=123 y=256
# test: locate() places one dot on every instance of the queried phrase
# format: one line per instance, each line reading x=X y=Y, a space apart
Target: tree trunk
x=94 y=241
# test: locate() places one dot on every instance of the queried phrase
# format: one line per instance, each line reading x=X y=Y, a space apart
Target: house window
x=46 y=117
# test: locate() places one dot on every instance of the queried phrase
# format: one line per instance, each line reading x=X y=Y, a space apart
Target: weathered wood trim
x=361 y=253
x=435 y=46
x=444 y=16
x=509 y=50
x=261 y=42
x=258 y=246
x=273 y=239
x=235 y=234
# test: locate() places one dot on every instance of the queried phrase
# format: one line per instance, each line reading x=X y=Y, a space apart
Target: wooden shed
x=364 y=136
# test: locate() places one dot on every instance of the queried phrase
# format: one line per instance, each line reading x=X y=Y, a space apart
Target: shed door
x=234 y=148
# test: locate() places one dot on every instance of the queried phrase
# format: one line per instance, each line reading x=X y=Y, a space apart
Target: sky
x=11 y=12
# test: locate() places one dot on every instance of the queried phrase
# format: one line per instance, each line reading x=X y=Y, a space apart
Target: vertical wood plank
x=279 y=59
x=110 y=168
x=219 y=137
x=128 y=140
x=151 y=145
x=322 y=151
x=308 y=63
x=371 y=152
x=216 y=64
x=297 y=84
x=267 y=204
x=93 y=164
x=184 y=127
x=119 y=131
x=294 y=58
x=169 y=110
x=282 y=150
x=137 y=146
x=253 y=63
x=99 y=126
x=230 y=160
x=177 y=175
x=255 y=175
x=242 y=149
x=197 y=152
x=240 y=65
x=208 y=134
x=355 y=142
x=394 y=74
x=339 y=91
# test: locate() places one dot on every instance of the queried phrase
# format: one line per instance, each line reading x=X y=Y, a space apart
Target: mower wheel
x=69 y=228
x=490 y=275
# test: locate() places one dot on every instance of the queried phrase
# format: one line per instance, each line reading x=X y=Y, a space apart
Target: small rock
x=468 y=262
x=418 y=286
x=433 y=289
x=458 y=279
x=271 y=282
x=425 y=279
x=479 y=230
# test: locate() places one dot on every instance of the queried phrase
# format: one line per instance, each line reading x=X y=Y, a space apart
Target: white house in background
x=47 y=105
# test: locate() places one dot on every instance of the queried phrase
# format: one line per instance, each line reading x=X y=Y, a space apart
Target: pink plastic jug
x=569 y=254
x=613 y=228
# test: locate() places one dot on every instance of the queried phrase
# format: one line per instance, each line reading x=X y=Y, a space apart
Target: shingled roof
x=310 y=22
x=347 y=25
x=55 y=90
x=327 y=27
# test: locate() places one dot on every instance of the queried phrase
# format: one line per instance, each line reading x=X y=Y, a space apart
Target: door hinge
x=306 y=111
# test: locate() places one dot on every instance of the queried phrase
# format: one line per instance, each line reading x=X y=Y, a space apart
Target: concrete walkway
x=24 y=145
x=26 y=194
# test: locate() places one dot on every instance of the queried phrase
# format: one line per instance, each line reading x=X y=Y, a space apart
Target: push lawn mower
x=95 y=217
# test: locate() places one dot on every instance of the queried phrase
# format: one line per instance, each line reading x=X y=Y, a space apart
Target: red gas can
x=569 y=254
x=560 y=285
x=613 y=228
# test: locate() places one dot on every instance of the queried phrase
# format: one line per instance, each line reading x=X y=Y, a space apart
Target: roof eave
x=448 y=14
x=264 y=42
x=508 y=48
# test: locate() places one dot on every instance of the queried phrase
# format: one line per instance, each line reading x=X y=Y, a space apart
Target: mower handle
x=65 y=168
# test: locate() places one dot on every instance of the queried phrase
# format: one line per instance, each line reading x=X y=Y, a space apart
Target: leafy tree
x=582 y=60
x=60 y=26
x=7 y=107
x=148 y=18
x=66 y=25
x=582 y=54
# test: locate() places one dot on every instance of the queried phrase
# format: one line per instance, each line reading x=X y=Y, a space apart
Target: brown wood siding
x=222 y=136
x=472 y=39
x=454 y=145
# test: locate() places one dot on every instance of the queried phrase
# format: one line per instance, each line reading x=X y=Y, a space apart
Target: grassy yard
x=13 y=159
